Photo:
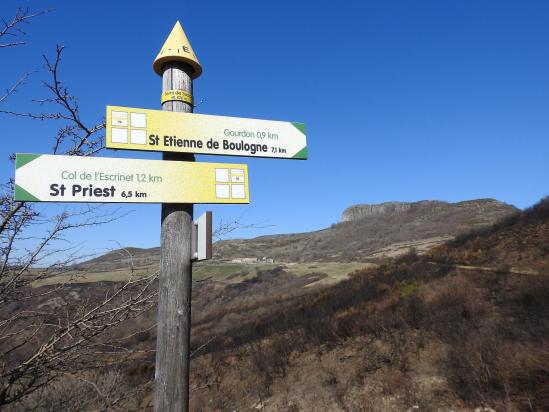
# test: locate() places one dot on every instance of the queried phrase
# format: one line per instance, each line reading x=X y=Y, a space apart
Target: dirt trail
x=514 y=271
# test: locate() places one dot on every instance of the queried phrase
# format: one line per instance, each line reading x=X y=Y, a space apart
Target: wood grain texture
x=175 y=283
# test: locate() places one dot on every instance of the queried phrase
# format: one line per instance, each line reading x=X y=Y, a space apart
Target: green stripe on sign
x=302 y=154
x=299 y=126
x=22 y=195
x=22 y=159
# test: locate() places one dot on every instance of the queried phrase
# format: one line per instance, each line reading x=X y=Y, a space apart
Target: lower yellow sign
x=49 y=178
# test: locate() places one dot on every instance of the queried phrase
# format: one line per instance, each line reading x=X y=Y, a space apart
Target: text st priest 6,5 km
x=94 y=179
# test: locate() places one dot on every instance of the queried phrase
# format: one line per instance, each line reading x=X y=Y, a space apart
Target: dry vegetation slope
x=417 y=331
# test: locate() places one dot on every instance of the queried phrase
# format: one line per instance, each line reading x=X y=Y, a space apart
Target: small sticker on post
x=178 y=96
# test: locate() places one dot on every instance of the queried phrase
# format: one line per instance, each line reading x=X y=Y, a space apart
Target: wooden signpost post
x=178 y=66
x=176 y=182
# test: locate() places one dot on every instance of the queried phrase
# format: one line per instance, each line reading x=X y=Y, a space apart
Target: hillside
x=368 y=233
x=373 y=231
x=417 y=333
x=432 y=332
x=519 y=241
x=452 y=329
x=123 y=258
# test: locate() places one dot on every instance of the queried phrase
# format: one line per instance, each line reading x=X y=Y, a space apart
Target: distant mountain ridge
x=374 y=232
x=367 y=233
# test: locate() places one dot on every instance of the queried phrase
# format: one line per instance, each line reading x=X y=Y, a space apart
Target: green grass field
x=220 y=271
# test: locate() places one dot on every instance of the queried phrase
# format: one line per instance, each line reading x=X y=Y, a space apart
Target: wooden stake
x=175 y=283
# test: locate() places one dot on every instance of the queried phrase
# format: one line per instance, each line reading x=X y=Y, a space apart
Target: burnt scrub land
x=460 y=327
x=417 y=332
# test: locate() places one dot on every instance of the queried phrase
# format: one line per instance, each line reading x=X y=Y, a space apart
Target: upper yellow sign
x=163 y=131
x=177 y=48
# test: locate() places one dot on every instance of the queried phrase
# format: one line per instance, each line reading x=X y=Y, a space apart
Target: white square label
x=138 y=120
x=222 y=191
x=238 y=192
x=119 y=135
x=119 y=118
x=222 y=175
x=138 y=136
x=237 y=175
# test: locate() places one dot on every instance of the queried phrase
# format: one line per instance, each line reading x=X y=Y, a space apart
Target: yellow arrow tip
x=177 y=48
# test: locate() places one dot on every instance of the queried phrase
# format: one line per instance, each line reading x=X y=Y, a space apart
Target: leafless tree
x=12 y=35
x=50 y=341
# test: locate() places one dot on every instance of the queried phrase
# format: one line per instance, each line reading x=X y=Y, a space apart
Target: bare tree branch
x=226 y=228
x=75 y=138
x=13 y=28
x=13 y=89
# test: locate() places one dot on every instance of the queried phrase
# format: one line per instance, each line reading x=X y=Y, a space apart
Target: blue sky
x=403 y=100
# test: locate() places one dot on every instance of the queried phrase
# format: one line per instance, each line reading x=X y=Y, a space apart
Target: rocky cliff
x=359 y=211
x=480 y=206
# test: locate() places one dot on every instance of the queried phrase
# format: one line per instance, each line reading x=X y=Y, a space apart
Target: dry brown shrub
x=456 y=309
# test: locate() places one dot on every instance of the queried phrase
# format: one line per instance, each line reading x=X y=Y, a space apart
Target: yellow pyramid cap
x=177 y=48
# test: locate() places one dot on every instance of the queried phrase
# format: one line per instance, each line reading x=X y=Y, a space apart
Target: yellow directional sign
x=49 y=178
x=177 y=48
x=157 y=130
